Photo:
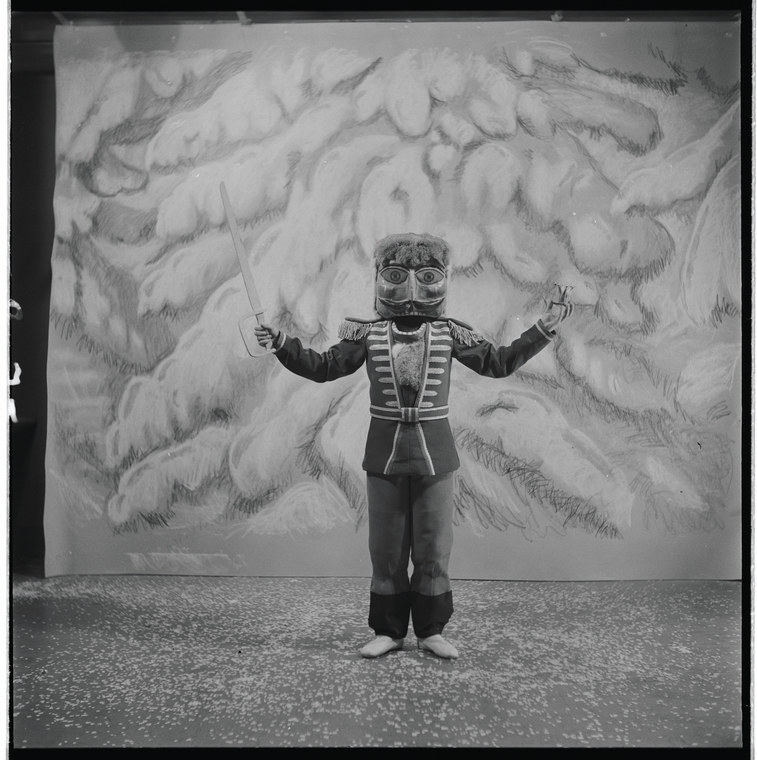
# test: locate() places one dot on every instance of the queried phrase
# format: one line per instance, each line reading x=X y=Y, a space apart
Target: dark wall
x=32 y=167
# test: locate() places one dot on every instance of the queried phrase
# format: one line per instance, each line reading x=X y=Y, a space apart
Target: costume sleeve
x=486 y=359
x=340 y=360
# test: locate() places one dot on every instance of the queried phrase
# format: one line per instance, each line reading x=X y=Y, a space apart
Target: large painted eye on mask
x=394 y=275
x=429 y=275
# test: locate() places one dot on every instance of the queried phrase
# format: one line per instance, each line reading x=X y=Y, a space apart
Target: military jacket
x=409 y=432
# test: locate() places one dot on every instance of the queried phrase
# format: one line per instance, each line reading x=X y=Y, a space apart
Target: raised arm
x=339 y=360
x=486 y=359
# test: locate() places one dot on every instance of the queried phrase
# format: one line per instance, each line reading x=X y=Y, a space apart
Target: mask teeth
x=417 y=330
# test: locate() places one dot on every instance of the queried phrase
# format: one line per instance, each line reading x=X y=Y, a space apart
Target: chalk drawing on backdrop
x=536 y=165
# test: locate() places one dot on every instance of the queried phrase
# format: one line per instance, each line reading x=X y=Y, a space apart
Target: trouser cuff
x=389 y=614
x=430 y=613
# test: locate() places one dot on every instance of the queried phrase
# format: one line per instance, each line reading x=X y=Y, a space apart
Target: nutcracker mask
x=411 y=276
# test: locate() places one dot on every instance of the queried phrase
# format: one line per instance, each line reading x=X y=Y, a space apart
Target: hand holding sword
x=264 y=334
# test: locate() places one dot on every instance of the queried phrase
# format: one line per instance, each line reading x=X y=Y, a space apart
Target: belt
x=410 y=413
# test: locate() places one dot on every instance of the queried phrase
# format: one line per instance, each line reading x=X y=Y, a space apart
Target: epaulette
x=353 y=328
x=463 y=333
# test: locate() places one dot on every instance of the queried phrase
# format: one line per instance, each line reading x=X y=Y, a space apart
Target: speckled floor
x=157 y=661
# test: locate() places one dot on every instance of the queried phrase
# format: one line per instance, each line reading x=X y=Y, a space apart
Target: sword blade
x=249 y=282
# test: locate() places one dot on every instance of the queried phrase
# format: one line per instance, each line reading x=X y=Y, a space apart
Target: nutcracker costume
x=410 y=455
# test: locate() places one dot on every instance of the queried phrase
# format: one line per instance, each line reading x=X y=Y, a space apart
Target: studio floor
x=177 y=661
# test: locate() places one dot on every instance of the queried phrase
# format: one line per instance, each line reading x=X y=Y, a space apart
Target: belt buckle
x=410 y=414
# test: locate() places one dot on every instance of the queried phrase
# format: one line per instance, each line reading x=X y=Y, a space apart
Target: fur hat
x=411 y=250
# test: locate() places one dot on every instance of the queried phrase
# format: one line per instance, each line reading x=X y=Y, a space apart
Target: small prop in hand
x=559 y=307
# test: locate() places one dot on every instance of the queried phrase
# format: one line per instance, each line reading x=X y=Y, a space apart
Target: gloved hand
x=559 y=307
x=267 y=335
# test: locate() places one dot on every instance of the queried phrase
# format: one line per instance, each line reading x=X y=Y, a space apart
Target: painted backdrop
x=604 y=156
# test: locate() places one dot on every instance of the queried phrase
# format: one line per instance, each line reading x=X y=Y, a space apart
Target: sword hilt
x=247 y=329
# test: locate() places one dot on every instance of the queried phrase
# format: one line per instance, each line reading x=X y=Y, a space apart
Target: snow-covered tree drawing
x=535 y=165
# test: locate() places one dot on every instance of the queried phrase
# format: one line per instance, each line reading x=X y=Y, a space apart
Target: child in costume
x=410 y=454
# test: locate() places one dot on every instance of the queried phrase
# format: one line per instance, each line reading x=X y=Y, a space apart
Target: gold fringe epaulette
x=463 y=333
x=355 y=329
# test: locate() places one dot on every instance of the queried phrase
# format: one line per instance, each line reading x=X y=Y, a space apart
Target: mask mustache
x=411 y=301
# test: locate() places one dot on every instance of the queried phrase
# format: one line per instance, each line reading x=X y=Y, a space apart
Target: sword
x=250 y=342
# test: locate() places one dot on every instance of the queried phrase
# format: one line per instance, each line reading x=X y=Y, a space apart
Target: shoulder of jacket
x=463 y=332
x=353 y=328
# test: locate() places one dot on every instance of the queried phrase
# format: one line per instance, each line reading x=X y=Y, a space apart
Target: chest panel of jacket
x=433 y=389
